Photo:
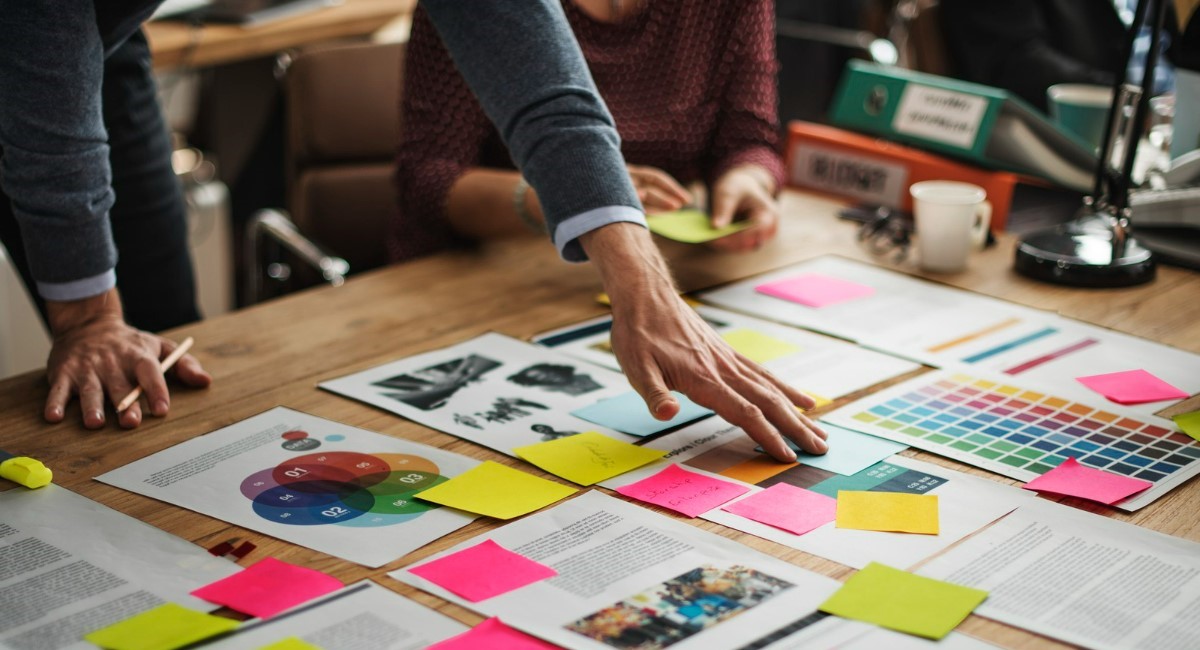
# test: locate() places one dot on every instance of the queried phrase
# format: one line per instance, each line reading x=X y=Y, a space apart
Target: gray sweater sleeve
x=523 y=63
x=54 y=165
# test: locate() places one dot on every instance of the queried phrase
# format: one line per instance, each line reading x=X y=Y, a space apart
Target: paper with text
x=587 y=458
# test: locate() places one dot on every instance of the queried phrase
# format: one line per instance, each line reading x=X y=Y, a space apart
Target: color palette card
x=165 y=627
x=492 y=633
x=268 y=587
x=894 y=512
x=483 y=571
x=1132 y=387
x=902 y=601
x=497 y=491
x=1022 y=432
x=690 y=226
x=588 y=457
x=786 y=507
x=685 y=492
x=815 y=290
x=1075 y=480
x=628 y=413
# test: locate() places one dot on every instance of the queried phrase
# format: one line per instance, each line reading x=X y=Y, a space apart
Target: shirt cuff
x=566 y=235
x=78 y=289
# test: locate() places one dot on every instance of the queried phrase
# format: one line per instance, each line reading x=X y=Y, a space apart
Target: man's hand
x=96 y=354
x=746 y=191
x=663 y=345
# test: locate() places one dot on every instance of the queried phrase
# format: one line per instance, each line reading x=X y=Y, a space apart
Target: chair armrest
x=275 y=226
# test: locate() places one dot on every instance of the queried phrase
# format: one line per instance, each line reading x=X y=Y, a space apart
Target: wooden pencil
x=164 y=366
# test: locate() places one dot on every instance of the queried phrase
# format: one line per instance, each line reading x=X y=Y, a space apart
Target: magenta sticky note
x=493 y=634
x=787 y=507
x=483 y=571
x=268 y=587
x=1132 y=387
x=684 y=492
x=1075 y=480
x=815 y=290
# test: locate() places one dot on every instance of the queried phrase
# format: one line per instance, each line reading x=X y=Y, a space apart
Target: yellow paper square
x=903 y=601
x=758 y=347
x=290 y=643
x=888 y=511
x=497 y=491
x=588 y=457
x=690 y=226
x=165 y=627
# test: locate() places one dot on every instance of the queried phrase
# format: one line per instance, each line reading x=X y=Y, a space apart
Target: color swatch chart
x=1023 y=433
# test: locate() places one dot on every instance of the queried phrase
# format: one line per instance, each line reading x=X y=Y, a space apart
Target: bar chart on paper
x=1024 y=433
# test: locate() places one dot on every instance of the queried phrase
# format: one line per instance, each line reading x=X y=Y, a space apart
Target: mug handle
x=983 y=220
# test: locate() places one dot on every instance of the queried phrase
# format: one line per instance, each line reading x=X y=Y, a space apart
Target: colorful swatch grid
x=1022 y=433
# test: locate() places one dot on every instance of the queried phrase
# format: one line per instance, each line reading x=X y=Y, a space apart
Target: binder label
x=940 y=115
x=867 y=179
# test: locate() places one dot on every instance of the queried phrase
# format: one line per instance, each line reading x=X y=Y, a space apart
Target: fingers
x=657 y=189
x=656 y=200
x=648 y=382
x=56 y=401
x=188 y=369
x=724 y=207
x=154 y=387
x=91 y=402
x=749 y=417
x=117 y=387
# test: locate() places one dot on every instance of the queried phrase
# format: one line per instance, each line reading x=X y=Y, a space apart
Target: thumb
x=723 y=207
x=662 y=404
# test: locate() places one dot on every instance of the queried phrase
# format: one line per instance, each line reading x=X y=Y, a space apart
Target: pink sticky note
x=1132 y=387
x=685 y=492
x=268 y=587
x=815 y=290
x=493 y=634
x=482 y=571
x=793 y=509
x=1075 y=480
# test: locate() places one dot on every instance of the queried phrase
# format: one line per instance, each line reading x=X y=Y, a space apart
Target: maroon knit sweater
x=690 y=84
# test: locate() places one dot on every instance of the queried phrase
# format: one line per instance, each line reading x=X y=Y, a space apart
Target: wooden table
x=274 y=354
x=177 y=43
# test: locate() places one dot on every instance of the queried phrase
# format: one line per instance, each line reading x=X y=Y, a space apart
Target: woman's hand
x=747 y=192
x=657 y=190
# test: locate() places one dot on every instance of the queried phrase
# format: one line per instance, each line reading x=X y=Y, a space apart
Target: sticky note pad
x=628 y=413
x=1189 y=423
x=588 y=457
x=849 y=452
x=895 y=512
x=1132 y=387
x=497 y=491
x=268 y=587
x=493 y=634
x=483 y=571
x=165 y=627
x=1075 y=480
x=690 y=226
x=684 y=492
x=815 y=290
x=758 y=347
x=787 y=507
x=902 y=601
x=290 y=643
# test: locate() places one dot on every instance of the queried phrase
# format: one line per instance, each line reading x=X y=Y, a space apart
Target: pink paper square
x=815 y=290
x=1132 y=387
x=493 y=634
x=685 y=492
x=268 y=587
x=1075 y=480
x=788 y=507
x=483 y=571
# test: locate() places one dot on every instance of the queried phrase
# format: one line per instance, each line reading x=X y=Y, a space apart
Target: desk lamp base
x=1093 y=250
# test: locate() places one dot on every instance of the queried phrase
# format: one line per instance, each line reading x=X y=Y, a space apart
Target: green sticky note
x=587 y=458
x=165 y=627
x=758 y=347
x=290 y=643
x=902 y=601
x=497 y=491
x=1189 y=423
x=690 y=226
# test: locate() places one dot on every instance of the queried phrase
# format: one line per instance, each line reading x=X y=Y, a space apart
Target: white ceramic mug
x=952 y=219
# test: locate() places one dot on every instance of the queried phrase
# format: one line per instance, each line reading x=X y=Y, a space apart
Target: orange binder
x=871 y=170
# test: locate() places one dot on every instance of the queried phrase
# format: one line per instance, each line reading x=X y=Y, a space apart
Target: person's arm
x=55 y=170
x=526 y=68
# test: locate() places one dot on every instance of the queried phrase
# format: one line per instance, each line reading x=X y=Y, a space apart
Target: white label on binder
x=864 y=178
x=939 y=115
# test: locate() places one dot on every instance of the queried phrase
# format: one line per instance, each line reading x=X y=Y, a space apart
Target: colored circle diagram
x=344 y=488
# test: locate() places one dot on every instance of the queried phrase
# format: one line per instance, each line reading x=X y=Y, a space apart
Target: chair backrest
x=343 y=114
x=916 y=29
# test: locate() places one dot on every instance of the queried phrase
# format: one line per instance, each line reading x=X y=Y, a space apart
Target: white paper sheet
x=333 y=488
x=363 y=615
x=69 y=566
x=492 y=390
x=966 y=503
x=629 y=573
x=830 y=633
x=821 y=365
x=1082 y=578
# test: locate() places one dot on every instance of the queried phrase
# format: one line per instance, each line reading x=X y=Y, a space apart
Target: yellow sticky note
x=758 y=347
x=1189 y=423
x=902 y=601
x=497 y=491
x=165 y=627
x=290 y=643
x=888 y=511
x=588 y=457
x=690 y=226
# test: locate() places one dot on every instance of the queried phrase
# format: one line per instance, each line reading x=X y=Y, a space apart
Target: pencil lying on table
x=164 y=366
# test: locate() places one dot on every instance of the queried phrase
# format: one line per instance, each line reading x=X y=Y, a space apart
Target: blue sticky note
x=627 y=413
x=849 y=453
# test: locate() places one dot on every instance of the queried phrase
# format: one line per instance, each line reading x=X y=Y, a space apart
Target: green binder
x=984 y=125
